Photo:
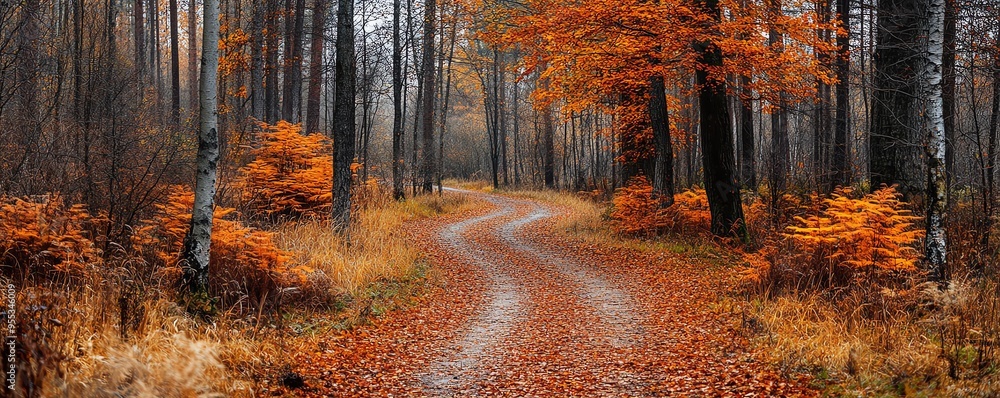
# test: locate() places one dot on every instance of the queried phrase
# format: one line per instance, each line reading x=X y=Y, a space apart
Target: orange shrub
x=873 y=231
x=41 y=236
x=844 y=238
x=291 y=174
x=637 y=212
x=244 y=260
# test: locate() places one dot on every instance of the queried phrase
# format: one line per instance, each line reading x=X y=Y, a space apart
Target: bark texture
x=197 y=243
x=343 y=114
x=933 y=127
x=663 y=178
x=427 y=118
x=718 y=159
x=895 y=142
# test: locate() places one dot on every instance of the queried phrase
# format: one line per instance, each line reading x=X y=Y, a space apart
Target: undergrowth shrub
x=245 y=263
x=637 y=212
x=44 y=237
x=291 y=175
x=843 y=239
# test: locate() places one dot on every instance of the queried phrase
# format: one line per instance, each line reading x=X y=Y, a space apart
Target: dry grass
x=121 y=333
x=890 y=336
x=78 y=347
x=586 y=218
x=472 y=185
x=919 y=342
x=904 y=338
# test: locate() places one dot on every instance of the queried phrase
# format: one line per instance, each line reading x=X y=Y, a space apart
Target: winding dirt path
x=521 y=310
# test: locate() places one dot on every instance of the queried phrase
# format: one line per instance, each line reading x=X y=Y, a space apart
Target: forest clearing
x=605 y=198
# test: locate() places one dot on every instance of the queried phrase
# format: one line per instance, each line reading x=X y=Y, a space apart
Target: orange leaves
x=873 y=231
x=39 y=235
x=244 y=260
x=291 y=175
x=637 y=212
x=841 y=239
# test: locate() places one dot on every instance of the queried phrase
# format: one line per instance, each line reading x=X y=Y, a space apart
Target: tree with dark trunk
x=663 y=178
x=397 y=106
x=175 y=67
x=271 y=99
x=316 y=66
x=548 y=147
x=948 y=89
x=748 y=174
x=895 y=143
x=291 y=100
x=841 y=169
x=718 y=159
x=140 y=41
x=192 y=27
x=257 y=60
x=427 y=118
x=344 y=115
x=197 y=243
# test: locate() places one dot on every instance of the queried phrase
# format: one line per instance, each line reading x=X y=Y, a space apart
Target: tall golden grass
x=122 y=333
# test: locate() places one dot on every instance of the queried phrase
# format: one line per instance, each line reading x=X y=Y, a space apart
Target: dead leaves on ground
x=562 y=347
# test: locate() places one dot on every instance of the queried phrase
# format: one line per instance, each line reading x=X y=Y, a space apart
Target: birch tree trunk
x=933 y=127
x=197 y=243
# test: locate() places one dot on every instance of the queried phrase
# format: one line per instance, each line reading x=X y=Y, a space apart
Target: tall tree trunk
x=989 y=198
x=175 y=67
x=316 y=66
x=397 y=106
x=257 y=60
x=271 y=105
x=192 y=58
x=291 y=102
x=344 y=115
x=663 y=171
x=26 y=92
x=548 y=147
x=197 y=243
x=841 y=169
x=718 y=159
x=447 y=98
x=749 y=160
x=427 y=165
x=933 y=127
x=948 y=89
x=140 y=42
x=895 y=144
x=779 y=119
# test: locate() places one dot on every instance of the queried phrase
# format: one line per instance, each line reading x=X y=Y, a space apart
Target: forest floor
x=515 y=305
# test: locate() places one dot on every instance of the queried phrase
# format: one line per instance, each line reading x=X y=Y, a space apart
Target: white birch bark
x=933 y=126
x=197 y=243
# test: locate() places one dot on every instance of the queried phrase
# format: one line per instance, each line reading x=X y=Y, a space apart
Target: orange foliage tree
x=291 y=174
x=45 y=236
x=593 y=51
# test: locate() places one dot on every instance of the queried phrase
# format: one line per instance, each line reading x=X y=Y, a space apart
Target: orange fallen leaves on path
x=517 y=309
